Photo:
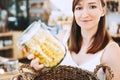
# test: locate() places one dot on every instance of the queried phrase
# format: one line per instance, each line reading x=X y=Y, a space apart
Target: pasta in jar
x=37 y=40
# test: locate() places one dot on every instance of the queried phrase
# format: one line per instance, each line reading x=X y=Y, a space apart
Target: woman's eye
x=78 y=8
x=93 y=7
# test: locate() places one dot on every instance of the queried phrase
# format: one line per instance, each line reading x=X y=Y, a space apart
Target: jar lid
x=32 y=29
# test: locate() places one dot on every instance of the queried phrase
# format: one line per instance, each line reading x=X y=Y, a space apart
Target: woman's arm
x=111 y=57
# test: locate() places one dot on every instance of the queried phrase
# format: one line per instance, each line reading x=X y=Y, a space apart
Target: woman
x=89 y=43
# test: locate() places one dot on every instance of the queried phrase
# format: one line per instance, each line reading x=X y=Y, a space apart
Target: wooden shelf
x=6 y=34
x=6 y=47
x=12 y=47
x=115 y=35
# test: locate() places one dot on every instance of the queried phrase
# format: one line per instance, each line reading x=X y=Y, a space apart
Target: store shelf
x=6 y=47
x=4 y=38
x=115 y=35
x=6 y=34
x=8 y=44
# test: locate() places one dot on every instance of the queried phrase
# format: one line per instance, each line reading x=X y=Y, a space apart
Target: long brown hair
x=101 y=38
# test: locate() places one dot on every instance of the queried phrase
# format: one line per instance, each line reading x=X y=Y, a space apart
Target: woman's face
x=87 y=13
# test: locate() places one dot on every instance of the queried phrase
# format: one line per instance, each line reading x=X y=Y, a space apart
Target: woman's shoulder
x=111 y=57
x=112 y=46
x=111 y=51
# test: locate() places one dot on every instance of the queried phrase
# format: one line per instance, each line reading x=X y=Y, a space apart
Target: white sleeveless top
x=90 y=66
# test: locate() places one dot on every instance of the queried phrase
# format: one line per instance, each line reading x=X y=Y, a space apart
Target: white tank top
x=87 y=66
x=96 y=61
x=90 y=66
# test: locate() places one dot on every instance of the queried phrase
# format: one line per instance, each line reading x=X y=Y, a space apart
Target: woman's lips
x=86 y=20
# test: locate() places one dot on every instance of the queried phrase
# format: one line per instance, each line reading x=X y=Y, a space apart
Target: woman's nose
x=85 y=13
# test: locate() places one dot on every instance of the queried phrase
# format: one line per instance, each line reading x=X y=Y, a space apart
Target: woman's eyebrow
x=88 y=3
x=92 y=3
x=79 y=4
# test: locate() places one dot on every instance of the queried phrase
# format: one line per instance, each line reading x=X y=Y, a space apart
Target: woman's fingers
x=30 y=56
x=35 y=64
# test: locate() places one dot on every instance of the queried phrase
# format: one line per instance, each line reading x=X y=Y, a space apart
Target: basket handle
x=105 y=68
x=29 y=68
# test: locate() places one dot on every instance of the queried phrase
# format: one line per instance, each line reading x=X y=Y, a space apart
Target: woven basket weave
x=62 y=72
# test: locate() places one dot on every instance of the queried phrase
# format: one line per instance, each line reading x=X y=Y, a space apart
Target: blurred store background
x=16 y=15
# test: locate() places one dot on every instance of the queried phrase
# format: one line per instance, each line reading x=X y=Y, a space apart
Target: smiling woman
x=89 y=43
x=88 y=15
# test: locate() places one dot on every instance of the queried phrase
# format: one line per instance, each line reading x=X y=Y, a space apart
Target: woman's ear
x=103 y=11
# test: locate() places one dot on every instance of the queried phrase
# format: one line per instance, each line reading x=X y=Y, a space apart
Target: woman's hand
x=35 y=62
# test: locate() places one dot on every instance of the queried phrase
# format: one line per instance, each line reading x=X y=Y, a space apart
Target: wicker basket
x=61 y=72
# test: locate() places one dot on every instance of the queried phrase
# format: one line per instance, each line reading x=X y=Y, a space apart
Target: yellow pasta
x=46 y=48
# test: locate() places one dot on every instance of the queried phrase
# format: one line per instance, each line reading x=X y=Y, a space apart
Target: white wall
x=64 y=5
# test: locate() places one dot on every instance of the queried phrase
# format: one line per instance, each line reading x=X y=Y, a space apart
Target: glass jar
x=37 y=40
